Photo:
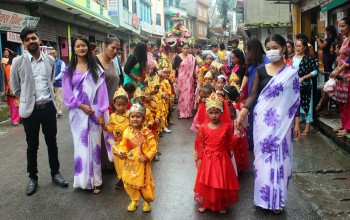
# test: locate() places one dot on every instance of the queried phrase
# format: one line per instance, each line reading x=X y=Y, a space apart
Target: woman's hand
x=297 y=132
x=301 y=79
x=87 y=109
x=240 y=118
x=121 y=155
x=334 y=74
x=156 y=120
x=101 y=120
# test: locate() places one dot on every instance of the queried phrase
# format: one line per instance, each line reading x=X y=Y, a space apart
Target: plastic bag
x=330 y=86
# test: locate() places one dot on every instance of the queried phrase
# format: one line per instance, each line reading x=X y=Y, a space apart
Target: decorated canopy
x=178 y=34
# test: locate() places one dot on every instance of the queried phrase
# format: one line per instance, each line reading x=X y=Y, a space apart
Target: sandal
x=223 y=211
x=202 y=209
x=97 y=189
x=338 y=129
x=305 y=133
x=171 y=121
x=277 y=211
x=343 y=133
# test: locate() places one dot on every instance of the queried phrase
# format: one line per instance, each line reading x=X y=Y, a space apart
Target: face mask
x=274 y=55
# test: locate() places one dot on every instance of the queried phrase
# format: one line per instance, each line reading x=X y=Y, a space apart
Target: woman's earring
x=75 y=58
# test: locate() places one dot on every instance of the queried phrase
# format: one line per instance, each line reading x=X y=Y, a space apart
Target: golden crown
x=214 y=101
x=208 y=75
x=139 y=93
x=137 y=108
x=120 y=92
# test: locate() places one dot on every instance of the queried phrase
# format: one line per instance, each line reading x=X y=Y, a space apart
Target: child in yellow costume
x=165 y=88
x=162 y=106
x=151 y=105
x=139 y=148
x=119 y=121
x=139 y=98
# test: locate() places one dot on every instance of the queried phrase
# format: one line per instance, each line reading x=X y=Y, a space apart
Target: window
x=199 y=11
x=205 y=31
x=158 y=20
x=126 y=4
x=200 y=30
x=134 y=7
x=205 y=13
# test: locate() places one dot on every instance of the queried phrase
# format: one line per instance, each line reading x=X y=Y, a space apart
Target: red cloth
x=201 y=116
x=241 y=152
x=216 y=184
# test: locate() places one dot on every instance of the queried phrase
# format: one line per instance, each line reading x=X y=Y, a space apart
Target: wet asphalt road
x=173 y=175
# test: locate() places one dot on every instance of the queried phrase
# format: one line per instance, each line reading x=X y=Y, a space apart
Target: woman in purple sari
x=276 y=88
x=85 y=94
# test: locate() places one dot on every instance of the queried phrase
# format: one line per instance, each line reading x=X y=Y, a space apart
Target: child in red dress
x=216 y=186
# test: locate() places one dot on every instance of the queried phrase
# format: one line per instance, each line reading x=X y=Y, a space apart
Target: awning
x=331 y=4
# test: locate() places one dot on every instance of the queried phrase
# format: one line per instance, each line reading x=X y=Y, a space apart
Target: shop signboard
x=329 y=4
x=13 y=37
x=112 y=8
x=15 y=22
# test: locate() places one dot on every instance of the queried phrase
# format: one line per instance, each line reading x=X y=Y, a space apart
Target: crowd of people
x=253 y=98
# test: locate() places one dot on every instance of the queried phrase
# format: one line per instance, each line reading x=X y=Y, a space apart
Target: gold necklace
x=116 y=118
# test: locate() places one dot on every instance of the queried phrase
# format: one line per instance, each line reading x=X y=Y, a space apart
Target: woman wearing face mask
x=106 y=60
x=276 y=90
x=342 y=73
x=307 y=67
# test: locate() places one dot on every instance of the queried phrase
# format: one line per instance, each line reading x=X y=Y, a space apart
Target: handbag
x=330 y=86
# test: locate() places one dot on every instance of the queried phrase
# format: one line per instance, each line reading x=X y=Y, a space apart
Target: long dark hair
x=239 y=54
x=255 y=52
x=331 y=29
x=279 y=40
x=307 y=50
x=110 y=40
x=91 y=61
x=346 y=20
x=141 y=54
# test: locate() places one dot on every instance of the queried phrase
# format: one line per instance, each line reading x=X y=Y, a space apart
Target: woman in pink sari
x=184 y=66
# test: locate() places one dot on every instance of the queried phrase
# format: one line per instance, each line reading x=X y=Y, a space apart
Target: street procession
x=175 y=109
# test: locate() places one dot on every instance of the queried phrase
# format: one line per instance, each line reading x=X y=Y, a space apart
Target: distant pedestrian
x=276 y=121
x=307 y=67
x=59 y=68
x=185 y=67
x=138 y=148
x=325 y=45
x=288 y=58
x=94 y=49
x=85 y=94
x=12 y=100
x=216 y=187
x=135 y=67
x=33 y=73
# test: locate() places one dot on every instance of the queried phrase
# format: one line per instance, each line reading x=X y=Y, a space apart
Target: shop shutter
x=46 y=28
x=99 y=36
x=73 y=30
x=309 y=4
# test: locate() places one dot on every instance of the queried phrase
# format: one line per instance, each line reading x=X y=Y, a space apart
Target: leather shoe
x=59 y=180
x=32 y=187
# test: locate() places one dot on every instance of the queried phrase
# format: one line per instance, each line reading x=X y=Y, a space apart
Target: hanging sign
x=15 y=22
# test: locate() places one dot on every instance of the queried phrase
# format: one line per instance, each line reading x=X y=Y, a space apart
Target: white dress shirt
x=42 y=90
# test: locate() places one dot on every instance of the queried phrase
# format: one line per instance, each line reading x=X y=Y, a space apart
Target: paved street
x=174 y=177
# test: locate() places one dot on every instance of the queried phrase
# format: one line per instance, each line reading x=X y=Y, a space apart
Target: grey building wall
x=261 y=11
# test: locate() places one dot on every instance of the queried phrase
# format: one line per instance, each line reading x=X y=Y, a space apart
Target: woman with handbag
x=342 y=73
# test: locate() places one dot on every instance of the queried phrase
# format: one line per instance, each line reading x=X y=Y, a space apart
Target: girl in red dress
x=216 y=186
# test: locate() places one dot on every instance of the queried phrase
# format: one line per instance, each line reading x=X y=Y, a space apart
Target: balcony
x=146 y=27
x=158 y=30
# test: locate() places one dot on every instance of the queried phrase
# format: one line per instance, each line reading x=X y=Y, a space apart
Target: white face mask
x=274 y=55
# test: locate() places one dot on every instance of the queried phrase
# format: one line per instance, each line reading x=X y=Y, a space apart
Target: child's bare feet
x=202 y=209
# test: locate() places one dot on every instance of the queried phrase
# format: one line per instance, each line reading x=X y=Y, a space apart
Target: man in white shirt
x=31 y=80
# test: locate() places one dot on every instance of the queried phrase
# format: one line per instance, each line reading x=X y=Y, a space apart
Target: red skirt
x=216 y=184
